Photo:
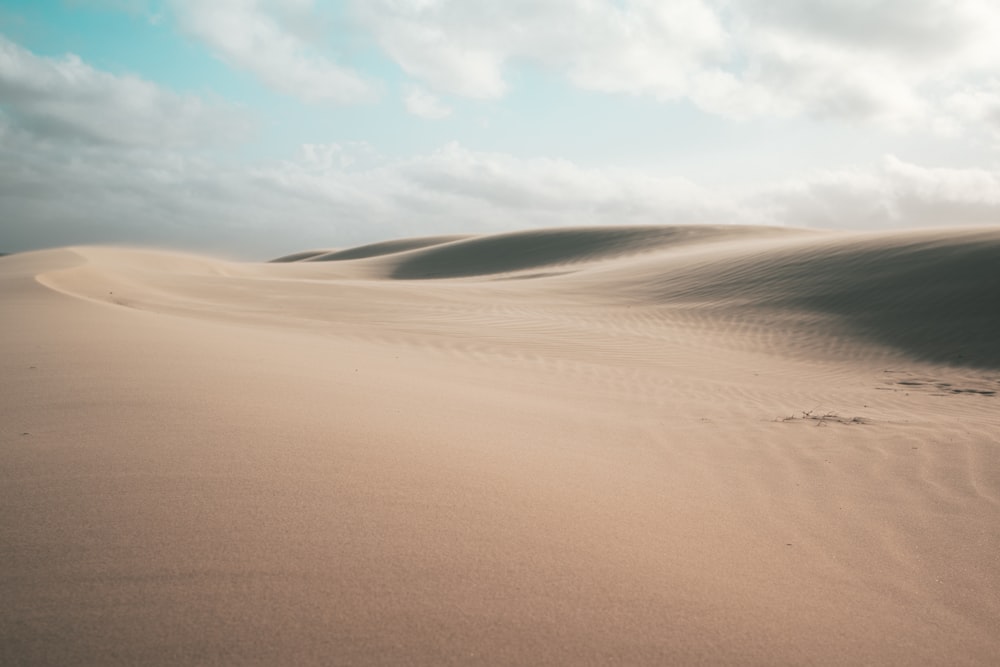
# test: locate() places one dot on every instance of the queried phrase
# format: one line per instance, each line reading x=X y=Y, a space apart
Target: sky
x=252 y=128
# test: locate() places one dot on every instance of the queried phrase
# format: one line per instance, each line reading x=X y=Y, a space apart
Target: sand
x=637 y=445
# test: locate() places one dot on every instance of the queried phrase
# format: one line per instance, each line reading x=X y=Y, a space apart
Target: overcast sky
x=259 y=127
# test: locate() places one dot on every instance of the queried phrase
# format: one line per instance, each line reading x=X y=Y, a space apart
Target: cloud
x=329 y=195
x=463 y=48
x=87 y=156
x=268 y=39
x=976 y=106
x=904 y=65
x=421 y=103
x=881 y=61
x=919 y=30
x=65 y=99
x=884 y=61
x=897 y=194
x=546 y=190
x=345 y=194
x=108 y=194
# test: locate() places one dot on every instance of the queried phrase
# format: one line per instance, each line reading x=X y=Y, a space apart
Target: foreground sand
x=604 y=446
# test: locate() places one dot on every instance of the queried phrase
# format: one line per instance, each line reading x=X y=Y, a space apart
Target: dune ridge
x=548 y=248
x=386 y=248
x=929 y=295
x=300 y=256
x=638 y=445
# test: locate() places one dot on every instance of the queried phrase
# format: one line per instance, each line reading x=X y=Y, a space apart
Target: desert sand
x=634 y=445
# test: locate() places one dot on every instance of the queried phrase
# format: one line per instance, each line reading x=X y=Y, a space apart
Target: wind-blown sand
x=659 y=445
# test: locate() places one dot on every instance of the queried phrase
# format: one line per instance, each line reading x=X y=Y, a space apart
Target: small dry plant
x=824 y=418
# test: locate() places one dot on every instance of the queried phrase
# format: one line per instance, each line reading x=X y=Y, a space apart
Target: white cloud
x=881 y=61
x=889 y=62
x=131 y=172
x=977 y=107
x=821 y=78
x=547 y=187
x=344 y=194
x=66 y=99
x=267 y=38
x=421 y=103
x=641 y=47
x=846 y=199
x=455 y=189
x=896 y=194
x=936 y=196
x=462 y=47
x=900 y=64
x=331 y=195
x=921 y=30
x=439 y=51
x=885 y=61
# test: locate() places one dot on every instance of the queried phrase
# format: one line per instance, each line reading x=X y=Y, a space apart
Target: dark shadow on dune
x=937 y=300
x=297 y=256
x=937 y=304
x=518 y=251
x=386 y=248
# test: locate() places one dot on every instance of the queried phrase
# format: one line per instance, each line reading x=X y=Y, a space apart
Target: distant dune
x=384 y=248
x=301 y=256
x=930 y=294
x=632 y=445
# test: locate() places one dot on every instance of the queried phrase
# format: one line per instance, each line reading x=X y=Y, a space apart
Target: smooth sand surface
x=638 y=445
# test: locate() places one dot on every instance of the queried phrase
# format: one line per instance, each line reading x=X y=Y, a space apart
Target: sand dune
x=547 y=248
x=384 y=248
x=636 y=445
x=301 y=256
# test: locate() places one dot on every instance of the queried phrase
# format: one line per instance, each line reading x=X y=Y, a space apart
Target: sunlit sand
x=635 y=445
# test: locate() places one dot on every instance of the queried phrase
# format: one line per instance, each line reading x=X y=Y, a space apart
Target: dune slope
x=536 y=249
x=384 y=248
x=932 y=295
x=659 y=445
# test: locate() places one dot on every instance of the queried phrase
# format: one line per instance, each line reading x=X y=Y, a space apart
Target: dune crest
x=385 y=248
x=300 y=256
x=547 y=248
